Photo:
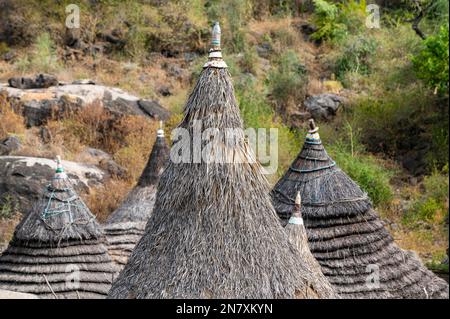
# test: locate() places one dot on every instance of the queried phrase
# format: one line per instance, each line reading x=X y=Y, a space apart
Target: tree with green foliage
x=431 y=63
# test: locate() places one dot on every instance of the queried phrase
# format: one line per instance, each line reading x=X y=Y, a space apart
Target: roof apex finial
x=59 y=167
x=216 y=34
x=215 y=52
x=298 y=199
x=312 y=126
x=160 y=131
x=296 y=217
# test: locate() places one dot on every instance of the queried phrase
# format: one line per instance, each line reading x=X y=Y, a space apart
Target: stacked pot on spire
x=58 y=250
x=213 y=232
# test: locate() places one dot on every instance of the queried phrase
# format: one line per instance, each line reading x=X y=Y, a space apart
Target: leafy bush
x=370 y=175
x=44 y=55
x=356 y=57
x=249 y=60
x=288 y=81
x=335 y=21
x=326 y=20
x=8 y=207
x=432 y=205
x=431 y=63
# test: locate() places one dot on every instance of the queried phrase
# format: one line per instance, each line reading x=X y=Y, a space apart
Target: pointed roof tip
x=312 y=126
x=59 y=167
x=298 y=199
x=215 y=52
x=160 y=131
x=296 y=217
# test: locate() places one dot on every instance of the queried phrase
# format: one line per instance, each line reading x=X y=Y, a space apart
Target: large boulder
x=38 y=105
x=323 y=106
x=22 y=179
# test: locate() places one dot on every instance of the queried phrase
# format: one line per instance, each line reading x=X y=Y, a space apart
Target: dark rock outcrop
x=9 y=145
x=39 y=82
x=323 y=106
x=24 y=178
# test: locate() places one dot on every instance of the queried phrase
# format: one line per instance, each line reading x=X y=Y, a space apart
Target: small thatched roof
x=346 y=235
x=296 y=231
x=213 y=232
x=126 y=224
x=58 y=248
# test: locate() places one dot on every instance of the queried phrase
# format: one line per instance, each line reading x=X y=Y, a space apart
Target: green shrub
x=8 y=208
x=431 y=63
x=288 y=81
x=326 y=20
x=432 y=205
x=335 y=21
x=356 y=57
x=365 y=170
x=249 y=60
x=44 y=57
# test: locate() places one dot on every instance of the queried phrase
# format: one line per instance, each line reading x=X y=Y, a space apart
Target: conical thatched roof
x=58 y=248
x=125 y=226
x=213 y=232
x=346 y=235
x=296 y=231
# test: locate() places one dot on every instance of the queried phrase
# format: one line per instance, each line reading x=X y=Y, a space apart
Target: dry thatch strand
x=345 y=234
x=213 y=232
x=58 y=248
x=125 y=226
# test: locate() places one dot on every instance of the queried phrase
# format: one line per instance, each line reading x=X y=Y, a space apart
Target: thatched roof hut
x=125 y=225
x=58 y=248
x=346 y=236
x=213 y=232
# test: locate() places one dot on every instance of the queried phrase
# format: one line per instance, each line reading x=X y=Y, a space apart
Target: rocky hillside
x=95 y=94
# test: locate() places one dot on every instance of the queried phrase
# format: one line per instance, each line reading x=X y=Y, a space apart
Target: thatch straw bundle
x=213 y=232
x=125 y=226
x=346 y=236
x=58 y=249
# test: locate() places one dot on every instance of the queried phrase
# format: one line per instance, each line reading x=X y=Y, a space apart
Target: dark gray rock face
x=24 y=178
x=39 y=82
x=323 y=106
x=154 y=110
x=9 y=145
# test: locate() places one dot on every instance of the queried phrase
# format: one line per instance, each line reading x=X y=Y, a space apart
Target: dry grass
x=10 y=122
x=103 y=200
x=7 y=227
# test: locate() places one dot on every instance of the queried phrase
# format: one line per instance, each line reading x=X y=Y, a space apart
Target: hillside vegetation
x=391 y=135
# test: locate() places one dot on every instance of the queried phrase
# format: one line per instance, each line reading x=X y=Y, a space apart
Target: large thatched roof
x=213 y=232
x=58 y=248
x=346 y=235
x=126 y=224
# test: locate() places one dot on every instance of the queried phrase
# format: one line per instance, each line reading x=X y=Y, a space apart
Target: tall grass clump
x=44 y=57
x=432 y=205
x=334 y=21
x=288 y=81
x=365 y=169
